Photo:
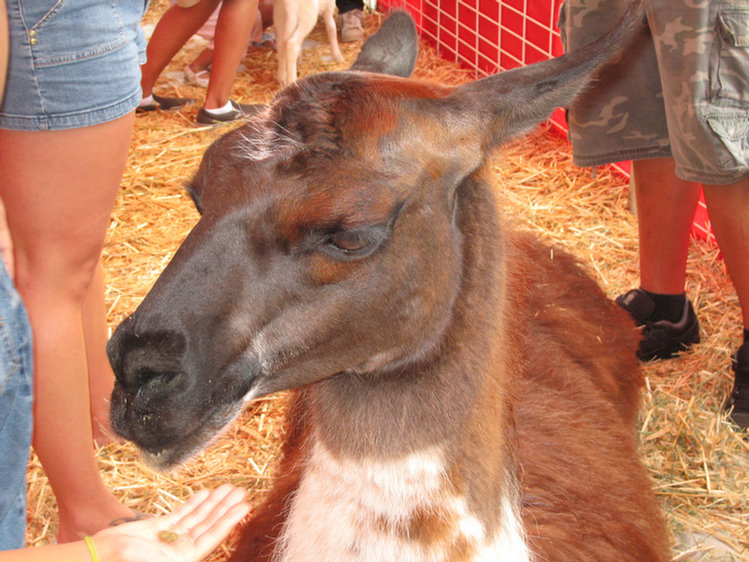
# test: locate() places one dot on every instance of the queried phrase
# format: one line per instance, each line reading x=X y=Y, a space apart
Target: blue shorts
x=16 y=386
x=72 y=63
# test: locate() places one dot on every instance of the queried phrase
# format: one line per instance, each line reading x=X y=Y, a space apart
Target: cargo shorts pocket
x=731 y=127
x=731 y=76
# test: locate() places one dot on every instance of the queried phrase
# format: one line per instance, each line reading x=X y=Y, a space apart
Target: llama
x=461 y=391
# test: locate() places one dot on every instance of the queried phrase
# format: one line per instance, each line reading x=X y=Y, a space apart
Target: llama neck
x=403 y=510
x=413 y=464
x=439 y=398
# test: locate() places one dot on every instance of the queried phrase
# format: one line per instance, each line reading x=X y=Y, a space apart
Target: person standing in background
x=180 y=22
x=676 y=103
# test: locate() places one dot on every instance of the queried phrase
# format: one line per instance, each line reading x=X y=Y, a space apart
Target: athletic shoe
x=164 y=103
x=661 y=339
x=238 y=111
x=738 y=402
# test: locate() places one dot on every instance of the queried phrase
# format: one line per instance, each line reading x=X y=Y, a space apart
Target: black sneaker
x=238 y=111
x=661 y=339
x=738 y=402
x=164 y=103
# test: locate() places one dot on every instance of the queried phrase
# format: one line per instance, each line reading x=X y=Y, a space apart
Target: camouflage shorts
x=680 y=89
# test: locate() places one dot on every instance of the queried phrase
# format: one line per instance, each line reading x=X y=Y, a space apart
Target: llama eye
x=354 y=244
x=350 y=241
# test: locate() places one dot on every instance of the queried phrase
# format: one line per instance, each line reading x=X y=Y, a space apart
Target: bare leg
x=59 y=188
x=100 y=375
x=728 y=206
x=233 y=29
x=174 y=29
x=266 y=12
x=202 y=61
x=665 y=211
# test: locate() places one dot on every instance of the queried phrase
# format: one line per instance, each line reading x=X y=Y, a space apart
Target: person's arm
x=72 y=552
x=188 y=534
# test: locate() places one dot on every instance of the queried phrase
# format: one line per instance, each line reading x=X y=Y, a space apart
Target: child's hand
x=188 y=534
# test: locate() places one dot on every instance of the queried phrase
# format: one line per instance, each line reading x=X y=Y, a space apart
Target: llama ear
x=510 y=103
x=392 y=50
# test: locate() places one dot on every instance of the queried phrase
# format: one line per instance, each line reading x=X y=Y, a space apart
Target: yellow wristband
x=91 y=548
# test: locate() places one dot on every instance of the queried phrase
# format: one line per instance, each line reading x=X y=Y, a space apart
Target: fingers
x=190 y=533
x=202 y=513
x=201 y=505
x=189 y=506
x=209 y=518
x=212 y=535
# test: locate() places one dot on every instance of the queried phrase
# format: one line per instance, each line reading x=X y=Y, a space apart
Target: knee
x=63 y=276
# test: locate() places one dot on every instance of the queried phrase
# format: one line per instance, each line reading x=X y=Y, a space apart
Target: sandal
x=199 y=78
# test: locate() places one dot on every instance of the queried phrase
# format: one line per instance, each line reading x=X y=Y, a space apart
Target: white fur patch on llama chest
x=400 y=510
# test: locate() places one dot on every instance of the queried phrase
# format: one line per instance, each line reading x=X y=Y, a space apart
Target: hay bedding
x=700 y=465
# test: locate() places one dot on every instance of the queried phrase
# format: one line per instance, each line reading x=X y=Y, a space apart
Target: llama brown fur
x=572 y=399
x=464 y=392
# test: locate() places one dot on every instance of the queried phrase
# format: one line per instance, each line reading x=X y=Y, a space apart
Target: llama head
x=328 y=243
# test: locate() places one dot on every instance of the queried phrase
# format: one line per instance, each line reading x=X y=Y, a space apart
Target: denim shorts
x=72 y=63
x=680 y=89
x=16 y=386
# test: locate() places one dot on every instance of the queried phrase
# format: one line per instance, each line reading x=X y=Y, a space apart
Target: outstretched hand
x=196 y=528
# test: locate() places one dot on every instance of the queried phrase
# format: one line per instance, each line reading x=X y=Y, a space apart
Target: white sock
x=146 y=101
x=222 y=110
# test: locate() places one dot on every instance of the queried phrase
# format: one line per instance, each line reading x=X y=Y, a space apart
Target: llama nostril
x=149 y=358
x=143 y=376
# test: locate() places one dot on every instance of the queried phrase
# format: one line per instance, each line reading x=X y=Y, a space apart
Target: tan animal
x=463 y=392
x=294 y=20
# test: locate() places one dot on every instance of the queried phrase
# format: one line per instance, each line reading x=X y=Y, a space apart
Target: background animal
x=464 y=392
x=294 y=19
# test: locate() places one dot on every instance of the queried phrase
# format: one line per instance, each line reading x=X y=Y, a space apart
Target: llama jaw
x=188 y=446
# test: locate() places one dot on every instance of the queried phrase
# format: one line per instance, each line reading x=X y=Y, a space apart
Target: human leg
x=266 y=12
x=198 y=73
x=665 y=211
x=705 y=77
x=203 y=61
x=728 y=206
x=59 y=188
x=233 y=29
x=100 y=375
x=172 y=31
